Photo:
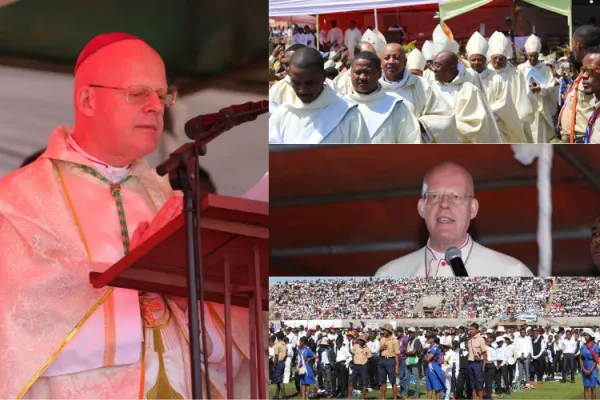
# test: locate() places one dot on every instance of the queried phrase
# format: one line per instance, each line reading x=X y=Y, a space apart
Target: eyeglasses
x=591 y=71
x=141 y=94
x=434 y=198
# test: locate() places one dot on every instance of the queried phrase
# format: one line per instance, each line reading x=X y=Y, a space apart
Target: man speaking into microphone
x=448 y=205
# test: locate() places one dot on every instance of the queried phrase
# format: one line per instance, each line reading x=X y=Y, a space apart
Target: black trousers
x=557 y=363
x=463 y=386
x=568 y=365
x=503 y=373
x=536 y=368
x=341 y=378
x=489 y=378
x=373 y=371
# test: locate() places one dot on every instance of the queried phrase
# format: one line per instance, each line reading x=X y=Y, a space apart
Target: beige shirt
x=280 y=350
x=361 y=354
x=476 y=346
x=393 y=349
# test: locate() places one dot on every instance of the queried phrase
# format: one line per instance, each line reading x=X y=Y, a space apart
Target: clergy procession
x=369 y=91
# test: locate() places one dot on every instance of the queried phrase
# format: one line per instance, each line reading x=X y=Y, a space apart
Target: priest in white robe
x=387 y=118
x=281 y=92
x=475 y=121
x=542 y=91
x=499 y=51
x=443 y=40
x=496 y=91
x=342 y=83
x=448 y=205
x=319 y=114
x=87 y=201
x=435 y=115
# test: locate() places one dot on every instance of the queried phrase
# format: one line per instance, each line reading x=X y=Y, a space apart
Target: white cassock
x=544 y=102
x=433 y=112
x=518 y=91
x=343 y=83
x=478 y=260
x=474 y=119
x=328 y=119
x=387 y=118
x=281 y=93
x=500 y=102
x=352 y=40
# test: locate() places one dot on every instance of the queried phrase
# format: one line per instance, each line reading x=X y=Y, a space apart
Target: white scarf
x=388 y=85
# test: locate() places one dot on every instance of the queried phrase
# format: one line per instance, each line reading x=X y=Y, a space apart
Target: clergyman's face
x=307 y=83
x=478 y=62
x=364 y=75
x=498 y=61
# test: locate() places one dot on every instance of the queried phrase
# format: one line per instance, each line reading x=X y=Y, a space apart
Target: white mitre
x=499 y=44
x=415 y=60
x=427 y=50
x=376 y=38
x=533 y=44
x=477 y=45
x=443 y=40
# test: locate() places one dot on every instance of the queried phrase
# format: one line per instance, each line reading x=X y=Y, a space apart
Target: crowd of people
x=461 y=363
x=373 y=91
x=396 y=298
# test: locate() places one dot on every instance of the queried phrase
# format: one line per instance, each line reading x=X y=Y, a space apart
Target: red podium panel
x=235 y=250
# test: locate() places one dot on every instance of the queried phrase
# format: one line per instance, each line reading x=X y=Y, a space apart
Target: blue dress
x=303 y=355
x=589 y=381
x=434 y=378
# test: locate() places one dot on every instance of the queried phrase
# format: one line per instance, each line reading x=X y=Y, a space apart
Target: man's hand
x=136 y=239
x=171 y=209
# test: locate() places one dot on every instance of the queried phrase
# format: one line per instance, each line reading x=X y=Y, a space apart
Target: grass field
x=546 y=390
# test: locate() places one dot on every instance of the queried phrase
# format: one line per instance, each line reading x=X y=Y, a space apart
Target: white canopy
x=33 y=103
x=312 y=7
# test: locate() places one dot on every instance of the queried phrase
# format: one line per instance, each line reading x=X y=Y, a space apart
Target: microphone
x=236 y=114
x=453 y=257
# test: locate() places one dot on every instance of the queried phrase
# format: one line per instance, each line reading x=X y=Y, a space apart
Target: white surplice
x=387 y=118
x=435 y=115
x=478 y=260
x=343 y=83
x=328 y=119
x=281 y=93
x=501 y=104
x=518 y=91
x=544 y=102
x=474 y=119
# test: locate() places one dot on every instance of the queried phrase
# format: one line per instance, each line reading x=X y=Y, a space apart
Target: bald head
x=307 y=58
x=450 y=168
x=445 y=66
x=366 y=46
x=393 y=61
x=119 y=100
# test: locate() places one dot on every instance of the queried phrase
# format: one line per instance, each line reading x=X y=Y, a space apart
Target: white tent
x=312 y=7
x=33 y=103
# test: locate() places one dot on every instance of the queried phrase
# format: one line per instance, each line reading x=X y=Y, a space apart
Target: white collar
x=395 y=85
x=113 y=174
x=442 y=256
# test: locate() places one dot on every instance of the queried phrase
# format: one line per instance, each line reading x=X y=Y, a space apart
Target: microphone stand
x=183 y=170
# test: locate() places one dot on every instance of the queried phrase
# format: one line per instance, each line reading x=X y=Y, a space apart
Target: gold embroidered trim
x=110 y=332
x=60 y=348
x=72 y=208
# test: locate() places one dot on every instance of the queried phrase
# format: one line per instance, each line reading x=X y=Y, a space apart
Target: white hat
x=411 y=329
x=427 y=50
x=533 y=44
x=376 y=38
x=499 y=44
x=500 y=339
x=477 y=45
x=500 y=329
x=588 y=331
x=489 y=331
x=443 y=40
x=415 y=60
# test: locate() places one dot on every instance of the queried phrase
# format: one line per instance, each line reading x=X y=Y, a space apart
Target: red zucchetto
x=101 y=41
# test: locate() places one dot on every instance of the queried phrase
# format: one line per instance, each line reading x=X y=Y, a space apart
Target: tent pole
x=318 y=35
x=376 y=22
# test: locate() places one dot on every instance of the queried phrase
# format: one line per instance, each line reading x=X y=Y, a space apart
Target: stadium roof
x=347 y=210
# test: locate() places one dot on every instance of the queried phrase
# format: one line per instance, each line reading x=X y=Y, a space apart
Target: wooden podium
x=235 y=250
